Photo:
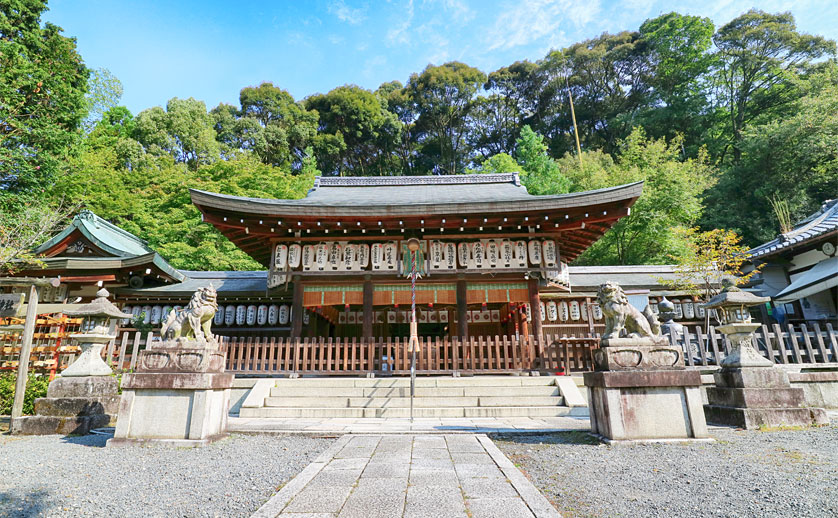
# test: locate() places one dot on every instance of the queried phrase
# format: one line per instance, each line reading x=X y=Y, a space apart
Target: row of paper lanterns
x=683 y=309
x=487 y=253
x=563 y=311
x=240 y=314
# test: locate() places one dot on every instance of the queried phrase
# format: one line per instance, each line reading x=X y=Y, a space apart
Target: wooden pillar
x=462 y=308
x=368 y=309
x=25 y=350
x=535 y=309
x=297 y=308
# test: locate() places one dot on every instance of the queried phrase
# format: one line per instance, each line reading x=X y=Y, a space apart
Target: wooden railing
x=781 y=344
x=336 y=356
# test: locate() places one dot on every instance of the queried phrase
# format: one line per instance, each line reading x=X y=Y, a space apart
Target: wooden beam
x=462 y=308
x=297 y=308
x=368 y=309
x=535 y=308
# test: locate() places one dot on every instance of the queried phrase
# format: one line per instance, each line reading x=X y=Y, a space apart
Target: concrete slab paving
x=434 y=476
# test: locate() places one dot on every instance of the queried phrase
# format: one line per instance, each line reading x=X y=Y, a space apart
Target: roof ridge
x=89 y=215
x=374 y=181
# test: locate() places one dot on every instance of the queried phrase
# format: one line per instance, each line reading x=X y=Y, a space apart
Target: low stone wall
x=818 y=381
x=820 y=387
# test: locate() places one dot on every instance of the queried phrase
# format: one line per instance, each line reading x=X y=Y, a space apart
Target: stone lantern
x=85 y=395
x=94 y=334
x=750 y=390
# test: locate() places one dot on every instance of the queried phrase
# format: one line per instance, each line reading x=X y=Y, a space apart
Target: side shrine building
x=489 y=251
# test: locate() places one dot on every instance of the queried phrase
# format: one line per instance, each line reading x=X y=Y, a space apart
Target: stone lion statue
x=621 y=318
x=195 y=319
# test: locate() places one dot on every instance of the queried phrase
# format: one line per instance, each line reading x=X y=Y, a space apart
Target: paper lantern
x=262 y=314
x=689 y=310
x=548 y=249
x=147 y=311
x=377 y=253
x=335 y=256
x=521 y=253
x=306 y=317
x=464 y=254
x=574 y=310
x=507 y=253
x=528 y=311
x=229 y=315
x=583 y=311
x=349 y=261
x=164 y=314
x=294 y=255
x=597 y=311
x=534 y=248
x=284 y=314
x=281 y=257
x=321 y=256
x=155 y=314
x=390 y=256
x=478 y=254
x=564 y=312
x=241 y=314
x=552 y=311
x=250 y=317
x=492 y=253
x=543 y=311
x=126 y=309
x=436 y=257
x=273 y=314
x=363 y=255
x=679 y=311
x=308 y=257
x=450 y=256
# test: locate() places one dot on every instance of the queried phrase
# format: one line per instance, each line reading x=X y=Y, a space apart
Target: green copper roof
x=103 y=234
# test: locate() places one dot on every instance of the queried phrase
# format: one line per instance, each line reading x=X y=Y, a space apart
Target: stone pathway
x=386 y=425
x=410 y=476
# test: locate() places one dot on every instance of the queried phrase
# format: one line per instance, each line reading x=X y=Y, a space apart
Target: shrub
x=36 y=386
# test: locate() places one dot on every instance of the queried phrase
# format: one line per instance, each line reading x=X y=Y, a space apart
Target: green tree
x=398 y=102
x=104 y=93
x=679 y=53
x=358 y=134
x=759 y=57
x=444 y=95
x=183 y=130
x=42 y=85
x=540 y=173
x=285 y=128
x=672 y=196
x=794 y=158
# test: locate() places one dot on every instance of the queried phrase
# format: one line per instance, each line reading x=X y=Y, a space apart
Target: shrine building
x=489 y=253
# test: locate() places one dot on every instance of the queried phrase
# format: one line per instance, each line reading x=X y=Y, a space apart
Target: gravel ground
x=54 y=476
x=743 y=474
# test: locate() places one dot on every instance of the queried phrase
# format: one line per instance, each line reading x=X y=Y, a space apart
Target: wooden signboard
x=10 y=304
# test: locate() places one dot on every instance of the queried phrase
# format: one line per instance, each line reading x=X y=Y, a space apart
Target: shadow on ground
x=32 y=505
x=93 y=440
x=572 y=437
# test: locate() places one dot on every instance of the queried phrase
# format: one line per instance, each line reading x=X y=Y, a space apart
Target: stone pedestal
x=750 y=397
x=74 y=405
x=178 y=396
x=640 y=391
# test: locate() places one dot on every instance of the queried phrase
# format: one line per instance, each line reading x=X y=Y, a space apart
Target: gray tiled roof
x=397 y=194
x=225 y=282
x=813 y=227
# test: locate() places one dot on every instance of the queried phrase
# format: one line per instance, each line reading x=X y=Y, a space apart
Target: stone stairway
x=440 y=397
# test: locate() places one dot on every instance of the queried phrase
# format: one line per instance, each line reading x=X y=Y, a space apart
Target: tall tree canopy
x=42 y=87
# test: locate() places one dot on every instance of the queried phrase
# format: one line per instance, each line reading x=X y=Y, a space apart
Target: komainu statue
x=193 y=321
x=621 y=318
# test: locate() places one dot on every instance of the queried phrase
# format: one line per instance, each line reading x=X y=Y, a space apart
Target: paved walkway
x=387 y=425
x=410 y=476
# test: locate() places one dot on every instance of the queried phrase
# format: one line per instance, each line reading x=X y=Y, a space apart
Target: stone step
x=269 y=412
x=468 y=381
x=404 y=402
x=305 y=391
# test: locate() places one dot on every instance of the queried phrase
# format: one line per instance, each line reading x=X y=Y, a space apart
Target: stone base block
x=750 y=418
x=77 y=406
x=173 y=443
x=646 y=405
x=751 y=377
x=148 y=415
x=638 y=357
x=82 y=387
x=756 y=397
x=52 y=425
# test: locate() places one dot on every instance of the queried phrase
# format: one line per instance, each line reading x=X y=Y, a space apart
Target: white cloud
x=527 y=22
x=345 y=13
x=373 y=64
x=399 y=34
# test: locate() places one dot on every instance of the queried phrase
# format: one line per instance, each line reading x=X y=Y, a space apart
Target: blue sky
x=210 y=49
